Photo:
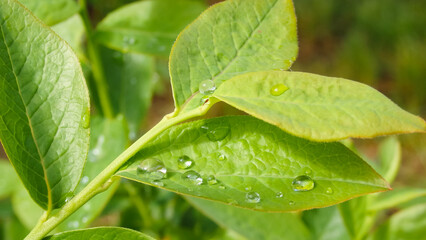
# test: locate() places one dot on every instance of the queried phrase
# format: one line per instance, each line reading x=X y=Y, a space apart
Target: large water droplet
x=85 y=119
x=252 y=197
x=303 y=183
x=211 y=180
x=154 y=167
x=185 y=162
x=193 y=177
x=157 y=183
x=279 y=195
x=216 y=131
x=207 y=87
x=278 y=89
x=329 y=191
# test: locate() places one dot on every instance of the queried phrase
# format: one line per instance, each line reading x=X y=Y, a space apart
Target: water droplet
x=84 y=180
x=303 y=183
x=307 y=171
x=222 y=187
x=216 y=131
x=279 y=195
x=207 y=87
x=154 y=167
x=222 y=157
x=252 y=197
x=85 y=219
x=248 y=188
x=329 y=190
x=184 y=162
x=193 y=177
x=73 y=224
x=68 y=197
x=211 y=180
x=291 y=203
x=85 y=119
x=278 y=89
x=157 y=183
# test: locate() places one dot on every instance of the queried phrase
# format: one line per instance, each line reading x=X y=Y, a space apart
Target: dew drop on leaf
x=252 y=197
x=73 y=224
x=84 y=180
x=85 y=119
x=329 y=191
x=211 y=180
x=291 y=203
x=279 y=195
x=278 y=89
x=307 y=171
x=184 y=162
x=154 y=167
x=158 y=183
x=207 y=87
x=216 y=131
x=303 y=183
x=222 y=157
x=248 y=188
x=222 y=187
x=193 y=177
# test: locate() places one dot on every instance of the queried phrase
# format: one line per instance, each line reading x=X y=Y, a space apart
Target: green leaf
x=104 y=233
x=248 y=155
x=395 y=197
x=130 y=78
x=72 y=31
x=44 y=106
x=148 y=27
x=51 y=12
x=405 y=225
x=107 y=140
x=317 y=107
x=390 y=158
x=232 y=38
x=8 y=179
x=14 y=230
x=251 y=224
x=358 y=220
x=325 y=224
x=25 y=209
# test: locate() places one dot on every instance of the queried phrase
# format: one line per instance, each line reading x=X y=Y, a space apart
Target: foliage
x=238 y=173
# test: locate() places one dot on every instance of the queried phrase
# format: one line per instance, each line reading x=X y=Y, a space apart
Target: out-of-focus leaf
x=317 y=107
x=8 y=179
x=72 y=31
x=107 y=140
x=26 y=210
x=148 y=27
x=253 y=161
x=130 y=78
x=390 y=158
x=44 y=106
x=104 y=233
x=325 y=224
x=229 y=39
x=407 y=224
x=356 y=218
x=251 y=224
x=51 y=12
x=394 y=198
x=14 y=230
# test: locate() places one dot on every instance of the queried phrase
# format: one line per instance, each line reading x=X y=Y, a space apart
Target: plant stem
x=103 y=180
x=97 y=67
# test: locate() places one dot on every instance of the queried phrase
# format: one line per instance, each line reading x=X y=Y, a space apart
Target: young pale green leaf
x=108 y=139
x=317 y=107
x=325 y=224
x=148 y=27
x=104 y=233
x=232 y=38
x=253 y=225
x=407 y=225
x=8 y=179
x=395 y=197
x=130 y=78
x=246 y=157
x=44 y=106
x=390 y=158
x=51 y=12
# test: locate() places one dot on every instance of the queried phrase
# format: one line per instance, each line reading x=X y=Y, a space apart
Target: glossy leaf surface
x=51 y=11
x=232 y=38
x=251 y=224
x=108 y=139
x=317 y=107
x=104 y=233
x=44 y=106
x=148 y=27
x=246 y=155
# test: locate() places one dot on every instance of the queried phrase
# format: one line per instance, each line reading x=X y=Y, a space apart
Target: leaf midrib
x=49 y=195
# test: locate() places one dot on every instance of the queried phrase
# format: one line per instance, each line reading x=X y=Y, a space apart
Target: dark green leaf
x=107 y=140
x=232 y=38
x=104 y=233
x=325 y=224
x=8 y=179
x=44 y=106
x=51 y=11
x=130 y=78
x=317 y=107
x=148 y=27
x=251 y=224
x=248 y=155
